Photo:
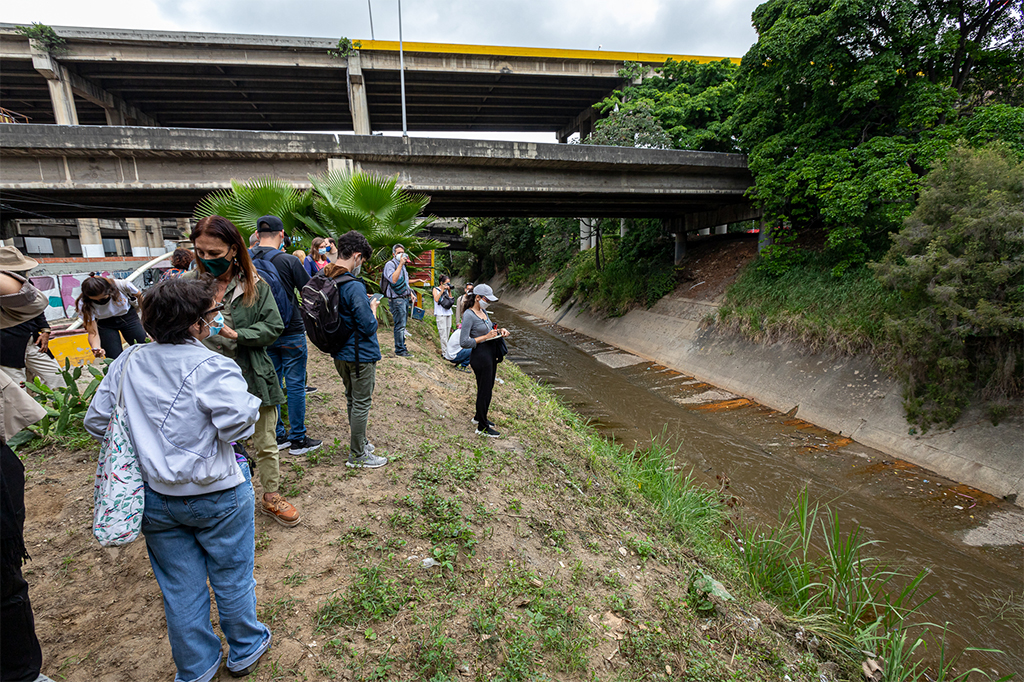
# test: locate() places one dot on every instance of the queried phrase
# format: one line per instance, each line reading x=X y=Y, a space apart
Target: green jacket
x=258 y=326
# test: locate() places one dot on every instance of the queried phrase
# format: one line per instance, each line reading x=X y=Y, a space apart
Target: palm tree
x=376 y=207
x=245 y=202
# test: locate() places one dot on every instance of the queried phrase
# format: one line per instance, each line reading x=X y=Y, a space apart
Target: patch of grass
x=810 y=304
x=295 y=579
x=372 y=597
x=520 y=657
x=434 y=654
x=263 y=541
x=271 y=611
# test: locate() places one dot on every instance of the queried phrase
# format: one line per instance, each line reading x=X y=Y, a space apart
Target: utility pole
x=401 y=71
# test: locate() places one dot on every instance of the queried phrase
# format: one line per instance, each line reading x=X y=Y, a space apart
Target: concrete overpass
x=112 y=171
x=275 y=83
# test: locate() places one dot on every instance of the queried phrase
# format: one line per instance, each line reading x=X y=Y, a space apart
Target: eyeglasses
x=215 y=309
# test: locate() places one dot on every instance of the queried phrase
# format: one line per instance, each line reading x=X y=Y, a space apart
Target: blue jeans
x=192 y=539
x=400 y=313
x=288 y=354
x=462 y=357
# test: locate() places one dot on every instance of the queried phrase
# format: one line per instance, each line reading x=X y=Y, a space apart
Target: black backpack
x=328 y=327
x=264 y=264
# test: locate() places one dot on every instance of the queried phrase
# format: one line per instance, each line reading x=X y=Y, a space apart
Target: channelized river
x=971 y=543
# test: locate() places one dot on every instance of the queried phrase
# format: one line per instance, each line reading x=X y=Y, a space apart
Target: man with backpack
x=341 y=319
x=395 y=286
x=284 y=273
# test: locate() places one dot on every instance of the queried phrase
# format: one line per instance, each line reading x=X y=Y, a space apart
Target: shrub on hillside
x=958 y=263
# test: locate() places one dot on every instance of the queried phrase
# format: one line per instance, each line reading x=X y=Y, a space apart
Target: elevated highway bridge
x=279 y=83
x=155 y=120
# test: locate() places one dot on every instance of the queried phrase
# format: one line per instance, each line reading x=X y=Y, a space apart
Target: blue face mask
x=216 y=325
x=324 y=251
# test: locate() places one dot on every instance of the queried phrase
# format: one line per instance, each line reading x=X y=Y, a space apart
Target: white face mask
x=484 y=303
x=357 y=269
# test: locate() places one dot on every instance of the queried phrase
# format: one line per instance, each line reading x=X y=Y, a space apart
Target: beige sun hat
x=12 y=260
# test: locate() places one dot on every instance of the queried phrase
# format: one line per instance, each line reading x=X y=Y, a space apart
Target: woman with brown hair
x=107 y=314
x=317 y=257
x=251 y=323
x=180 y=260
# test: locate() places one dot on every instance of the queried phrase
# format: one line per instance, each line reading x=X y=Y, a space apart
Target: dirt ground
x=546 y=566
x=712 y=264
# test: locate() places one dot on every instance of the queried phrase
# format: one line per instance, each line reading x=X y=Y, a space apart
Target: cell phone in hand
x=376 y=297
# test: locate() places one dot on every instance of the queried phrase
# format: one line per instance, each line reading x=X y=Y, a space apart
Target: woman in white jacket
x=185 y=405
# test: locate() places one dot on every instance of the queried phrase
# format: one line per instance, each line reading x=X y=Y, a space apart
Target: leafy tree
x=840 y=100
x=959 y=263
x=683 y=105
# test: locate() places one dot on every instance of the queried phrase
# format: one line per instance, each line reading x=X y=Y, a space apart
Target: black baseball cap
x=269 y=223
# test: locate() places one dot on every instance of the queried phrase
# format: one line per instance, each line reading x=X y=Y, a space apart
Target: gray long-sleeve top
x=472 y=327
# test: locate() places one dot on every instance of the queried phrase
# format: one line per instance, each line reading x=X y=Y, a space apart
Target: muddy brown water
x=971 y=544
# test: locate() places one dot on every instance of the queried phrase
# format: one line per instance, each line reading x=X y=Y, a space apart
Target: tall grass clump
x=689 y=508
x=825 y=580
x=808 y=303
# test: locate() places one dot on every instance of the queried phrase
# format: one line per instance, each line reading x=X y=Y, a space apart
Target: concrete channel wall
x=847 y=395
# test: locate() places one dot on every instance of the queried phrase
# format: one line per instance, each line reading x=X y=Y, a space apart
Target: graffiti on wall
x=63 y=290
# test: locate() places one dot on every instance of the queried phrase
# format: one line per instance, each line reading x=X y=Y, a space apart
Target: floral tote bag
x=118 y=495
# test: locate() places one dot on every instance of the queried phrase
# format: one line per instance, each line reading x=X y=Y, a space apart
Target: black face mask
x=102 y=301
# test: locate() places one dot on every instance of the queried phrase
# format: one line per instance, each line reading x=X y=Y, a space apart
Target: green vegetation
x=46 y=36
x=958 y=263
x=344 y=48
x=942 y=310
x=65 y=409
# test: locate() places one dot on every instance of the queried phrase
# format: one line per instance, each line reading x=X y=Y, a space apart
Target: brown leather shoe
x=281 y=510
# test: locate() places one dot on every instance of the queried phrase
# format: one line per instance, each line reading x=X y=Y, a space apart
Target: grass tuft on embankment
x=809 y=304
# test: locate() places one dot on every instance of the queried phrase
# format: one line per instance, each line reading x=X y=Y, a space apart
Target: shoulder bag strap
x=124 y=370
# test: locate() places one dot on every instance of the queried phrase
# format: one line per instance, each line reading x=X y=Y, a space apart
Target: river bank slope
x=848 y=395
x=546 y=561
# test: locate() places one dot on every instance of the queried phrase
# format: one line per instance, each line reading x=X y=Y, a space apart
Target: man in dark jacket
x=358 y=368
x=288 y=353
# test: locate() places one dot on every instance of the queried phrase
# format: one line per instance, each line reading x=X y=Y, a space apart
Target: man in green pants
x=357 y=360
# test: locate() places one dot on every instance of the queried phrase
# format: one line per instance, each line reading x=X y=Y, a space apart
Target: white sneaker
x=366 y=461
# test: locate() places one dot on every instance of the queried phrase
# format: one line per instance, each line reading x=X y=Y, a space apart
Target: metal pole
x=401 y=71
x=369 y=8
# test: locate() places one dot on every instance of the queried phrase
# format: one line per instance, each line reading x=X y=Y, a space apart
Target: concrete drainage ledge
x=847 y=395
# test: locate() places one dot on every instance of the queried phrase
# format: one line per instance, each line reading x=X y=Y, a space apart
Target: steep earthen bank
x=848 y=395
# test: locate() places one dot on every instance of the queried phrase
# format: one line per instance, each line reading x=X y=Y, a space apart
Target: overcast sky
x=719 y=28
x=691 y=27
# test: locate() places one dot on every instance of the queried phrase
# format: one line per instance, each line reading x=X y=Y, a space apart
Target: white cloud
x=711 y=27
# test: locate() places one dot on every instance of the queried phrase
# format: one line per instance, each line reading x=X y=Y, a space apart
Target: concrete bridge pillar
x=59 y=82
x=588 y=235
x=89 y=237
x=622 y=228
x=357 y=95
x=721 y=229
x=676 y=226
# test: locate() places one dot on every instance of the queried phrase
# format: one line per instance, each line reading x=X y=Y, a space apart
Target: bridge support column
x=623 y=230
x=357 y=95
x=585 y=234
x=89 y=237
x=721 y=229
x=59 y=82
x=676 y=226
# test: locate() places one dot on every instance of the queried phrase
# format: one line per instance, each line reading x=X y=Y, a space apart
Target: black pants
x=20 y=654
x=112 y=328
x=485 y=366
